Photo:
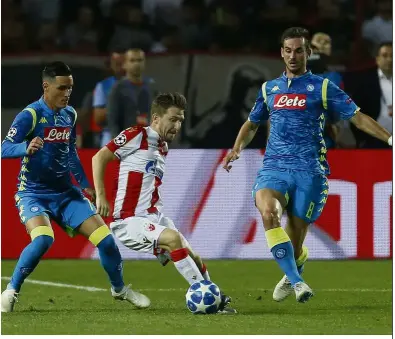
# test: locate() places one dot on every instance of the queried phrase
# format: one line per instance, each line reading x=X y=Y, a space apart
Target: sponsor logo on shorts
x=290 y=101
x=34 y=209
x=151 y=227
x=280 y=253
x=57 y=134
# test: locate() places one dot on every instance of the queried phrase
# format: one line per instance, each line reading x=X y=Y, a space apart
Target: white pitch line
x=55 y=284
x=381 y=290
x=97 y=289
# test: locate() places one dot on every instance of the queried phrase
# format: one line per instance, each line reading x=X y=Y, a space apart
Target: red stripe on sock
x=204 y=269
x=178 y=255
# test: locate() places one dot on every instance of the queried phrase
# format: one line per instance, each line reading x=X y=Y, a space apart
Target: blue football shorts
x=305 y=193
x=68 y=209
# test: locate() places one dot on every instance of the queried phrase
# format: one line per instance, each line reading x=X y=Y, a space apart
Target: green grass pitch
x=352 y=297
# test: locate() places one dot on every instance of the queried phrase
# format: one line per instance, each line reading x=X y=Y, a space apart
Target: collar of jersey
x=308 y=73
x=45 y=106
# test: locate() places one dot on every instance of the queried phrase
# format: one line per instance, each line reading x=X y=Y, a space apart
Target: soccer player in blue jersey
x=44 y=136
x=295 y=169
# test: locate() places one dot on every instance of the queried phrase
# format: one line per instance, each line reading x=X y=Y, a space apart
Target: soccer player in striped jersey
x=138 y=222
x=295 y=169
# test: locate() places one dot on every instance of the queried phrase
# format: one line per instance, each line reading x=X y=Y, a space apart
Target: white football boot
x=137 y=299
x=283 y=289
x=303 y=292
x=8 y=300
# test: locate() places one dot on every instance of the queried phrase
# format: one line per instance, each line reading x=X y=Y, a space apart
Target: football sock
x=42 y=239
x=204 y=272
x=186 y=266
x=281 y=247
x=302 y=259
x=110 y=258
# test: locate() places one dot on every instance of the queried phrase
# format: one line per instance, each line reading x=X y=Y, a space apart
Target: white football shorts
x=141 y=234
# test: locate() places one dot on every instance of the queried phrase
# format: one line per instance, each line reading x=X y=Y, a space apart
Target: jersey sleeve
x=259 y=112
x=337 y=102
x=127 y=142
x=14 y=144
x=99 y=97
x=22 y=126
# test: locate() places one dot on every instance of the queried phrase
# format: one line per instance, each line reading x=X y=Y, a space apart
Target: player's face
x=324 y=44
x=57 y=91
x=170 y=123
x=295 y=54
x=134 y=62
x=384 y=59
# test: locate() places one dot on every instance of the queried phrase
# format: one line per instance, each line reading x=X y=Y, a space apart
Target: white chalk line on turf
x=97 y=289
x=55 y=284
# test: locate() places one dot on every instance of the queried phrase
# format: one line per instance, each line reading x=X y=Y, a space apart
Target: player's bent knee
x=43 y=235
x=170 y=240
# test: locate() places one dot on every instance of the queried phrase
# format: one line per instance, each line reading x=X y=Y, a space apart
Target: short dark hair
x=381 y=45
x=54 y=69
x=166 y=100
x=296 y=32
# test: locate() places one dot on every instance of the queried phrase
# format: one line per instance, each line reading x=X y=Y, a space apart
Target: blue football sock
x=29 y=259
x=111 y=260
x=281 y=247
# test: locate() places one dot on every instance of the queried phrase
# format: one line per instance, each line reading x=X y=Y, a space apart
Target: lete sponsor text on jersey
x=290 y=101
x=57 y=134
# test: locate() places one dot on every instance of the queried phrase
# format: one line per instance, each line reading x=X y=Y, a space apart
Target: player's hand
x=91 y=194
x=230 y=157
x=102 y=206
x=36 y=144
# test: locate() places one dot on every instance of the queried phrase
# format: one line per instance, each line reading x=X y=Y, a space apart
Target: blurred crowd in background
x=344 y=32
x=91 y=26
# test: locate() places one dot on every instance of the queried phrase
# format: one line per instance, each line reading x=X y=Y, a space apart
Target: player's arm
x=99 y=164
x=127 y=142
x=75 y=163
x=366 y=124
x=15 y=144
x=341 y=107
x=114 y=111
x=99 y=105
x=258 y=115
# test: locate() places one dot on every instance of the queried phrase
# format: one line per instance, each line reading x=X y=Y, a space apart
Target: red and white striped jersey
x=142 y=156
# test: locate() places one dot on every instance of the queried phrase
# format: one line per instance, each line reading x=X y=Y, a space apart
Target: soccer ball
x=203 y=297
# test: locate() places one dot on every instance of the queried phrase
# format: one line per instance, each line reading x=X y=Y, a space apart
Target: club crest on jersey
x=56 y=134
x=310 y=87
x=290 y=101
x=120 y=140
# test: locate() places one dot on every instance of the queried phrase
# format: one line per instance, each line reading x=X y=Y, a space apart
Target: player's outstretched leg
x=110 y=257
x=268 y=204
x=42 y=239
x=187 y=262
x=170 y=240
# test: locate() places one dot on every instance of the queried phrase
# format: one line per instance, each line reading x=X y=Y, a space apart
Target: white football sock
x=186 y=266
